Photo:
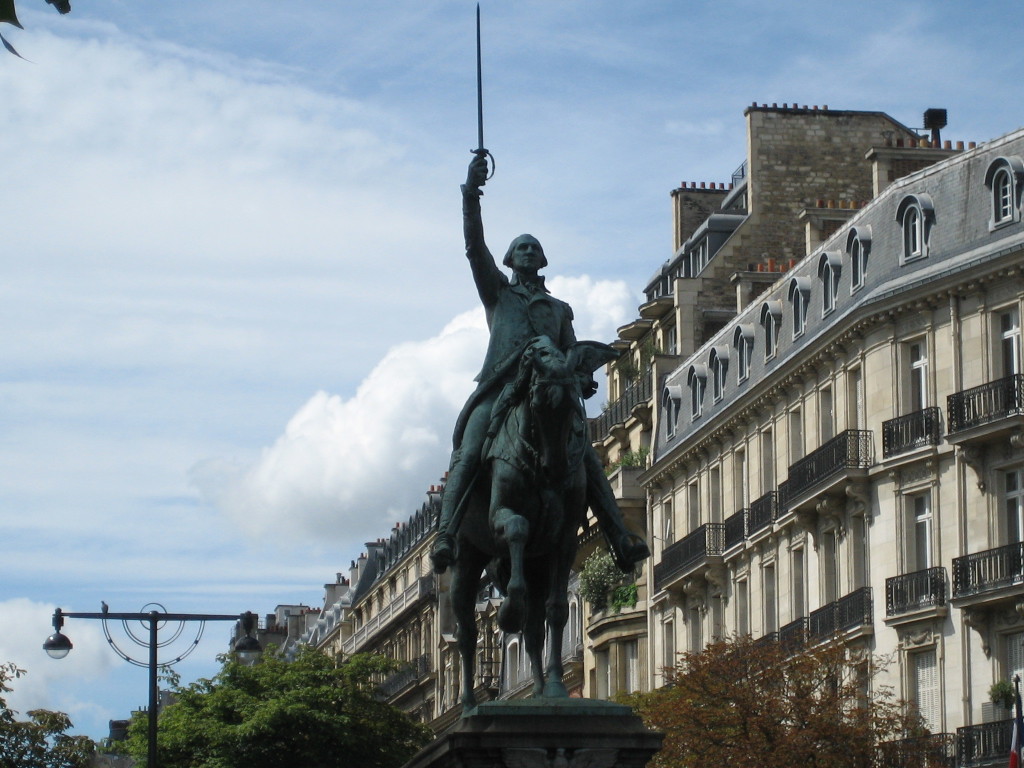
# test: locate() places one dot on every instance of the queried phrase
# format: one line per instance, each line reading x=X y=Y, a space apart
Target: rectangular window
x=716 y=494
x=1013 y=505
x=696 y=631
x=668 y=521
x=771 y=335
x=925 y=671
x=671 y=341
x=919 y=531
x=826 y=415
x=767 y=461
x=742 y=608
x=829 y=567
x=692 y=507
x=1009 y=343
x=1014 y=655
x=799 y=592
x=917 y=360
x=855 y=399
x=739 y=468
x=631 y=678
x=669 y=644
x=796 y=435
x=771 y=622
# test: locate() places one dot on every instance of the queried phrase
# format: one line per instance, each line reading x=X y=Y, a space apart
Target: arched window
x=829 y=267
x=671 y=398
x=915 y=214
x=771 y=321
x=1004 y=179
x=697 y=379
x=718 y=362
x=743 y=341
x=858 y=246
x=800 y=298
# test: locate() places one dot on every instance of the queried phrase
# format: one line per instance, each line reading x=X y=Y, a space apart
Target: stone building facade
x=843 y=460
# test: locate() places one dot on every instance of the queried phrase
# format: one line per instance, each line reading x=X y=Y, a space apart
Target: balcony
x=793 y=636
x=404 y=678
x=915 y=430
x=689 y=553
x=983 y=744
x=986 y=412
x=763 y=512
x=845 y=614
x=407 y=598
x=735 y=529
x=912 y=592
x=848 y=453
x=933 y=750
x=637 y=393
x=986 y=573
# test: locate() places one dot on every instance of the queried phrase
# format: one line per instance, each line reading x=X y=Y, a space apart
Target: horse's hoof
x=555 y=689
x=511 y=614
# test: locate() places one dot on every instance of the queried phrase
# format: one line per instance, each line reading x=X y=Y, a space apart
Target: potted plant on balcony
x=601 y=578
x=1001 y=693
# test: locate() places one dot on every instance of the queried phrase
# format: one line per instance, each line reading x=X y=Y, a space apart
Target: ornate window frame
x=771 y=321
x=743 y=341
x=830 y=267
x=1005 y=181
x=718 y=362
x=800 y=298
x=916 y=215
x=696 y=380
x=858 y=248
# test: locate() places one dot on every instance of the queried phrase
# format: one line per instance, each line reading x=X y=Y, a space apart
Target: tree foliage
x=741 y=701
x=41 y=741
x=310 y=712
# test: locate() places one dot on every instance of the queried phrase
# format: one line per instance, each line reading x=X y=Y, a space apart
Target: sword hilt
x=481 y=152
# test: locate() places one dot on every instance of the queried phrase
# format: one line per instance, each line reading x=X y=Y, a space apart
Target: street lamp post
x=58 y=645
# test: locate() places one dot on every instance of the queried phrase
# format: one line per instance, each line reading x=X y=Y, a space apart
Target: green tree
x=740 y=701
x=310 y=712
x=41 y=741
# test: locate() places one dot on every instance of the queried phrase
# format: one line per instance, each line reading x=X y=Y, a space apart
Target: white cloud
x=45 y=686
x=349 y=469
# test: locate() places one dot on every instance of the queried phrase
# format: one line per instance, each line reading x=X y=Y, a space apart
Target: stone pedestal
x=543 y=733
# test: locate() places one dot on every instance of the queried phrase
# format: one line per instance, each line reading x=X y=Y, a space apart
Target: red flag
x=1018 y=728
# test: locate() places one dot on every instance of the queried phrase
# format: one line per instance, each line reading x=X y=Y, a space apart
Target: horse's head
x=560 y=379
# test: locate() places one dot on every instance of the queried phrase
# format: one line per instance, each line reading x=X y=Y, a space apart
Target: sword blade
x=479 y=88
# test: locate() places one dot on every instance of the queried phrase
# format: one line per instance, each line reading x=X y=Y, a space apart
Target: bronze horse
x=526 y=506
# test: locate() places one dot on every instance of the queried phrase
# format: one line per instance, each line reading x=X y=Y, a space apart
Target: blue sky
x=236 y=320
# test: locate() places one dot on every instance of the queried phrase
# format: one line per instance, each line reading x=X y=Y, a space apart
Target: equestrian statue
x=523 y=472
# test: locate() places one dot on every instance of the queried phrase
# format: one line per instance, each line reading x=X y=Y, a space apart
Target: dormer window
x=915 y=215
x=1004 y=179
x=800 y=298
x=829 y=266
x=858 y=245
x=697 y=379
x=671 y=397
x=743 y=341
x=771 y=321
x=718 y=362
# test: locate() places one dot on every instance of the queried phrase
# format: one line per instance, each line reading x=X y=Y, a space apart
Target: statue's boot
x=442 y=553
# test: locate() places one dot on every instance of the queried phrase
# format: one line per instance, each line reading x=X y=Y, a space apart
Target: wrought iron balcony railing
x=983 y=744
x=616 y=413
x=984 y=571
x=914 y=430
x=403 y=678
x=793 y=636
x=848 y=450
x=935 y=750
x=735 y=528
x=989 y=402
x=921 y=589
x=846 y=613
x=762 y=513
x=706 y=541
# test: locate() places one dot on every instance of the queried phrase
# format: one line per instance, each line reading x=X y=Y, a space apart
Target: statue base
x=543 y=733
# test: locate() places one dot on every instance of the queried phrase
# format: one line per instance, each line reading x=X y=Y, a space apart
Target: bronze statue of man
x=517 y=311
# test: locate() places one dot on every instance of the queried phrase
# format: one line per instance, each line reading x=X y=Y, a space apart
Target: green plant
x=624 y=596
x=637 y=458
x=598 y=575
x=1002 y=693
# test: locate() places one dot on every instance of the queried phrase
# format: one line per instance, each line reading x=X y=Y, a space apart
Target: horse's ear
x=588 y=356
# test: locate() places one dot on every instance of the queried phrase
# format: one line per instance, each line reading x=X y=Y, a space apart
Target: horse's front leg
x=556 y=607
x=464 y=586
x=511 y=531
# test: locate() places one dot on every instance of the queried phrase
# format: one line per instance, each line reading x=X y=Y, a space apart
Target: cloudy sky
x=236 y=323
